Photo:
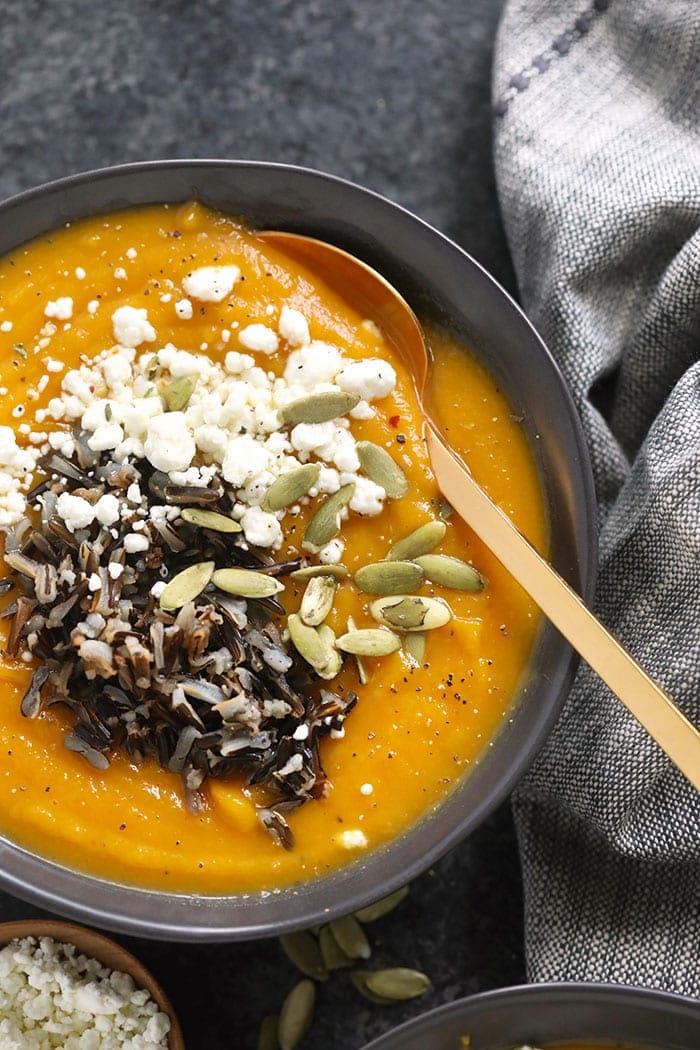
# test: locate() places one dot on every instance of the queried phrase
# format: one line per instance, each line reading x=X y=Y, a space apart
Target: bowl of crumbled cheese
x=66 y=986
x=256 y=672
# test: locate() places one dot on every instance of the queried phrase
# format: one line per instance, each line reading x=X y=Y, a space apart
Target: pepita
x=406 y=612
x=370 y=641
x=325 y=524
x=267 y=1036
x=246 y=583
x=382 y=469
x=209 y=519
x=398 y=983
x=414 y=644
x=318 y=408
x=296 y=1015
x=421 y=541
x=361 y=669
x=290 y=487
x=309 y=571
x=351 y=937
x=335 y=663
x=185 y=587
x=315 y=645
x=382 y=907
x=178 y=393
x=334 y=957
x=359 y=979
x=450 y=572
x=389 y=577
x=318 y=599
x=303 y=950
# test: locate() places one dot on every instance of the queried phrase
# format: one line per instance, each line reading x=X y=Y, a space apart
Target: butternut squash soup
x=244 y=639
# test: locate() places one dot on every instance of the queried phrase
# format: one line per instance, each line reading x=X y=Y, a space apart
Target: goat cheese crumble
x=51 y=996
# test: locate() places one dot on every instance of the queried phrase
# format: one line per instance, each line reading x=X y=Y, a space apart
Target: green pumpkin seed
x=450 y=572
x=382 y=907
x=421 y=541
x=359 y=979
x=318 y=599
x=209 y=519
x=185 y=587
x=290 y=487
x=309 y=571
x=382 y=469
x=316 y=646
x=303 y=950
x=177 y=394
x=361 y=669
x=398 y=983
x=389 y=577
x=317 y=408
x=296 y=1015
x=409 y=613
x=325 y=524
x=335 y=663
x=414 y=644
x=370 y=641
x=267 y=1036
x=351 y=937
x=334 y=957
x=246 y=583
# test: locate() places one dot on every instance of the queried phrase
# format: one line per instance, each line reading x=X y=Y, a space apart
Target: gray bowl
x=444 y=284
x=538 y=1014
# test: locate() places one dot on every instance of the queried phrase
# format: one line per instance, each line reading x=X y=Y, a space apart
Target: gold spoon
x=642 y=696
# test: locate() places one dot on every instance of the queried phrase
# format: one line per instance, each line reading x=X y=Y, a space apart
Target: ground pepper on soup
x=232 y=554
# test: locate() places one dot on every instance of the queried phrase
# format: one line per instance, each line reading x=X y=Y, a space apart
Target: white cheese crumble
x=183 y=309
x=61 y=308
x=211 y=284
x=131 y=326
x=353 y=839
x=229 y=425
x=6 y=326
x=51 y=996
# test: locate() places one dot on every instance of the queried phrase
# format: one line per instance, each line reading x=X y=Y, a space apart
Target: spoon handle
x=640 y=694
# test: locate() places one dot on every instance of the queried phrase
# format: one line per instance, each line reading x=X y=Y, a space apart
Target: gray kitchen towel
x=597 y=129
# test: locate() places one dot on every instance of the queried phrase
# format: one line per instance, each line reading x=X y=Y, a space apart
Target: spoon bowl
x=644 y=698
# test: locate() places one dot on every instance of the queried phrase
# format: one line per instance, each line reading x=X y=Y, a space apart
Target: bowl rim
x=54 y=886
x=109 y=953
x=546 y=994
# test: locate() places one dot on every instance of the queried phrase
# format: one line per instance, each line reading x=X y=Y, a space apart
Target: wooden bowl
x=107 y=952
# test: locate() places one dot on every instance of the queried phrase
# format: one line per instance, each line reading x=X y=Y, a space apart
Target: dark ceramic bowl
x=539 y=1014
x=444 y=284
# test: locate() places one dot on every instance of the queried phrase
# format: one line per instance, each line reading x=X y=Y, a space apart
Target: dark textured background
x=392 y=95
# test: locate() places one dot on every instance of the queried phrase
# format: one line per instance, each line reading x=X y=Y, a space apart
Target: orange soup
x=139 y=328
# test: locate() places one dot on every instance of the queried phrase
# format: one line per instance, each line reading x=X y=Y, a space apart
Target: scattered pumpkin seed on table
x=398 y=983
x=351 y=937
x=380 y=468
x=421 y=541
x=267 y=1036
x=359 y=979
x=187 y=585
x=389 y=577
x=296 y=1015
x=302 y=949
x=382 y=907
x=333 y=955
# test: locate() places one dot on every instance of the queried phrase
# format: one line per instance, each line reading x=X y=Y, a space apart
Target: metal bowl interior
x=539 y=1014
x=444 y=285
x=112 y=955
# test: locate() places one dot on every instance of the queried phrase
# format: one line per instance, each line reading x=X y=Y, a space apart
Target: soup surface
x=418 y=726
